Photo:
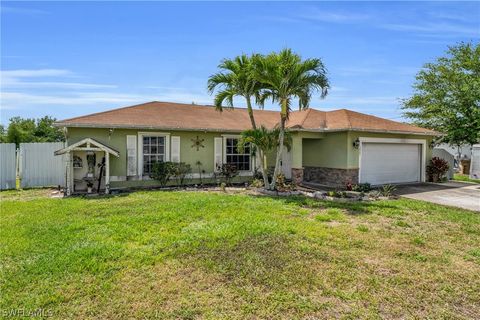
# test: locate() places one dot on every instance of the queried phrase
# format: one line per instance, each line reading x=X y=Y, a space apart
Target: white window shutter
x=218 y=158
x=175 y=145
x=131 y=155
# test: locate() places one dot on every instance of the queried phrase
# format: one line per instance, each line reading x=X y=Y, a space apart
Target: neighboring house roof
x=178 y=116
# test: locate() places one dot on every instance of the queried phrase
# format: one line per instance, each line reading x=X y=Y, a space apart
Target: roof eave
x=133 y=127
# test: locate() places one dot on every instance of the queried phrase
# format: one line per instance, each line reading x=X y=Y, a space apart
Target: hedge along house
x=329 y=148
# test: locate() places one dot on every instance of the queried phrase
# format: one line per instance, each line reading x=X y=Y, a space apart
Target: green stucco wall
x=335 y=150
x=118 y=141
x=329 y=152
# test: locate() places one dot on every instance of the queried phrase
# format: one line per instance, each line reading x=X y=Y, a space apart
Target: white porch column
x=107 y=172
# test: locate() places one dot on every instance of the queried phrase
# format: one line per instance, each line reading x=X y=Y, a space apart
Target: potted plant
x=89 y=186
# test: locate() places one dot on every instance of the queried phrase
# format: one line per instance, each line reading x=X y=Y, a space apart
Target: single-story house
x=329 y=147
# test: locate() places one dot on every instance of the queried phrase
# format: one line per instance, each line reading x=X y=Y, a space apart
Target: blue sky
x=66 y=59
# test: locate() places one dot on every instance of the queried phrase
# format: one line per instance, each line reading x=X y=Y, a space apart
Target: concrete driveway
x=455 y=194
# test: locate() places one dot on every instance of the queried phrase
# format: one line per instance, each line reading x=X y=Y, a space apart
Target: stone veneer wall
x=330 y=176
x=297 y=175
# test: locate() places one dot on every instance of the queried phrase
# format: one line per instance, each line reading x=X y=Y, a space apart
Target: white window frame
x=224 y=153
x=166 y=135
x=421 y=142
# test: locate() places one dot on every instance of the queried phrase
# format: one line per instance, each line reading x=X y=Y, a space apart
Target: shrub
x=180 y=171
x=349 y=186
x=228 y=172
x=282 y=185
x=362 y=187
x=437 y=168
x=334 y=194
x=162 y=171
x=387 y=190
x=257 y=183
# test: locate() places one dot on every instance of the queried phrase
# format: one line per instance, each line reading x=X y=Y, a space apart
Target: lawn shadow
x=267 y=260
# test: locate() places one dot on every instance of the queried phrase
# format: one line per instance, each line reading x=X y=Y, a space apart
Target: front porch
x=87 y=167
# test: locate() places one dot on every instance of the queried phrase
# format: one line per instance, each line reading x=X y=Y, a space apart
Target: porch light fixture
x=432 y=144
x=356 y=143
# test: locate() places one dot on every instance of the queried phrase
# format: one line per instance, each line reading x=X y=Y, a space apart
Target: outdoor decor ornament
x=197 y=143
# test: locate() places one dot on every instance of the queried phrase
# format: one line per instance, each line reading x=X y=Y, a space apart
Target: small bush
x=180 y=171
x=282 y=185
x=349 y=186
x=362 y=187
x=162 y=171
x=437 y=169
x=228 y=172
x=257 y=183
x=375 y=194
x=388 y=190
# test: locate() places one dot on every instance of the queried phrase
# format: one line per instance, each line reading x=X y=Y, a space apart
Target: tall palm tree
x=265 y=140
x=285 y=76
x=236 y=78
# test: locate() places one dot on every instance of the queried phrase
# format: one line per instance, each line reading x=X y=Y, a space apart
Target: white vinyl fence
x=39 y=167
x=447 y=156
x=7 y=166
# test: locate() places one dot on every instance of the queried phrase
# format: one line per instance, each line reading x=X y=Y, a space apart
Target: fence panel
x=39 y=167
x=447 y=156
x=8 y=172
x=475 y=162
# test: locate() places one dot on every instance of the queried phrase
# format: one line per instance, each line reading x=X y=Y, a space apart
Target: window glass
x=233 y=156
x=153 y=151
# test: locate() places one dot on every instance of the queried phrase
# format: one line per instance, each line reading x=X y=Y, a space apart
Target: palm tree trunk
x=281 y=139
x=250 y=112
x=262 y=168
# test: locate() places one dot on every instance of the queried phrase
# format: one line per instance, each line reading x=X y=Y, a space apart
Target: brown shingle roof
x=178 y=116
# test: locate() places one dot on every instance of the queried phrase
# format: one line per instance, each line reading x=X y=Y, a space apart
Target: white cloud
x=15 y=79
x=333 y=17
x=439 y=29
x=19 y=100
x=35 y=73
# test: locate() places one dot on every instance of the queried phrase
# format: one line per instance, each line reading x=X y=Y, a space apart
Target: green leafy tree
x=284 y=76
x=447 y=95
x=30 y=130
x=3 y=134
x=235 y=79
x=21 y=130
x=45 y=131
x=265 y=141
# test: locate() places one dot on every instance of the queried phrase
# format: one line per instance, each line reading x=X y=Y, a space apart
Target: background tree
x=447 y=95
x=30 y=130
x=46 y=132
x=285 y=76
x=3 y=134
x=235 y=79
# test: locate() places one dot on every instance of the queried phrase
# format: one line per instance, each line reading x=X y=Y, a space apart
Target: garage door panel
x=383 y=163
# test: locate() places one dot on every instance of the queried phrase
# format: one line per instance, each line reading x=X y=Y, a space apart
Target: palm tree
x=264 y=140
x=283 y=77
x=235 y=79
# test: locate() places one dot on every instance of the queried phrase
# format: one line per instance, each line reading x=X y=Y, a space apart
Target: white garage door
x=383 y=163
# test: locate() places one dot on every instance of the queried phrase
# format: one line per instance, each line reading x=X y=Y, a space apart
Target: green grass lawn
x=464 y=178
x=189 y=255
